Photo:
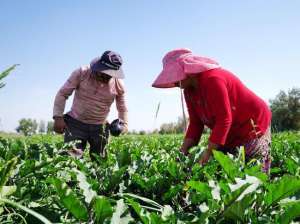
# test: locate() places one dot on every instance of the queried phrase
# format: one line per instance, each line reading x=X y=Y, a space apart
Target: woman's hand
x=184 y=151
x=205 y=157
x=186 y=145
x=207 y=153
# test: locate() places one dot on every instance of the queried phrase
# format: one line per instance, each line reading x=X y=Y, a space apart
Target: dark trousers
x=95 y=135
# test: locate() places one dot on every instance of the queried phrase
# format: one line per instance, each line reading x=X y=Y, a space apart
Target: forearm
x=59 y=105
x=123 y=115
x=124 y=118
x=122 y=110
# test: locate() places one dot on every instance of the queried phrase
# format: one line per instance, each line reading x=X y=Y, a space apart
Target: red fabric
x=225 y=105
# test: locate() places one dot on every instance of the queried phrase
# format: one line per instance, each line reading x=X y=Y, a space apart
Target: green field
x=145 y=179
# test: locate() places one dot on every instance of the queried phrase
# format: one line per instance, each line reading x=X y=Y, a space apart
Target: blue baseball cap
x=109 y=63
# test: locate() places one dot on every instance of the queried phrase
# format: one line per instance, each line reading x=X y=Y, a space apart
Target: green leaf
x=242 y=156
x=69 y=199
x=28 y=210
x=172 y=192
x=256 y=172
x=6 y=171
x=285 y=187
x=120 y=216
x=123 y=157
x=173 y=169
x=137 y=179
x=291 y=165
x=290 y=213
x=156 y=219
x=7 y=190
x=230 y=168
x=237 y=210
x=275 y=170
x=102 y=208
x=146 y=200
x=231 y=203
x=199 y=186
x=229 y=199
x=140 y=211
x=5 y=73
x=116 y=178
x=88 y=193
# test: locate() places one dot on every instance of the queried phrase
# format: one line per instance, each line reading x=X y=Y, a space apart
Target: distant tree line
x=286 y=111
x=28 y=126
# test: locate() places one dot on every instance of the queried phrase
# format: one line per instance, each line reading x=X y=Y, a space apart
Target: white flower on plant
x=274 y=212
x=34 y=205
x=146 y=157
x=133 y=168
x=287 y=200
x=167 y=211
x=116 y=167
x=203 y=207
x=64 y=174
x=195 y=219
x=164 y=157
x=215 y=192
x=295 y=159
x=186 y=199
x=118 y=216
x=199 y=153
x=122 y=187
x=230 y=156
x=145 y=178
x=253 y=181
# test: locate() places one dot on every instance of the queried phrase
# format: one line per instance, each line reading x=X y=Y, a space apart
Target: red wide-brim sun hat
x=178 y=64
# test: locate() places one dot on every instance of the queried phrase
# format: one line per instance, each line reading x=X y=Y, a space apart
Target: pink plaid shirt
x=92 y=99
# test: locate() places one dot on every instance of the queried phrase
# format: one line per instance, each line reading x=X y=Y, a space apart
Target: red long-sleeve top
x=226 y=106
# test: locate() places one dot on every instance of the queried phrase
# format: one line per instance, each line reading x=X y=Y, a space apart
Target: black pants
x=95 y=135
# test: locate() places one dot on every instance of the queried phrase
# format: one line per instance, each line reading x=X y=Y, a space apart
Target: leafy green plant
x=145 y=179
x=6 y=73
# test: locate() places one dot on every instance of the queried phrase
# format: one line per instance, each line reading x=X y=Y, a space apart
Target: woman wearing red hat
x=216 y=98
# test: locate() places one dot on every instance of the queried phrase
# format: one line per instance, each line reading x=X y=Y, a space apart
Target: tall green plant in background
x=5 y=73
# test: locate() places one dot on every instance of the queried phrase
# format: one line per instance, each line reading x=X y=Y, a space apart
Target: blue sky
x=257 y=40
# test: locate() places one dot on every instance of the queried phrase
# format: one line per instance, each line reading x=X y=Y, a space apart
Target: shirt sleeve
x=218 y=98
x=195 y=127
x=65 y=91
x=121 y=102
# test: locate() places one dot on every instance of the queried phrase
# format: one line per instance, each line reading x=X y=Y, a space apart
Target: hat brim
x=169 y=76
x=111 y=72
x=119 y=74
